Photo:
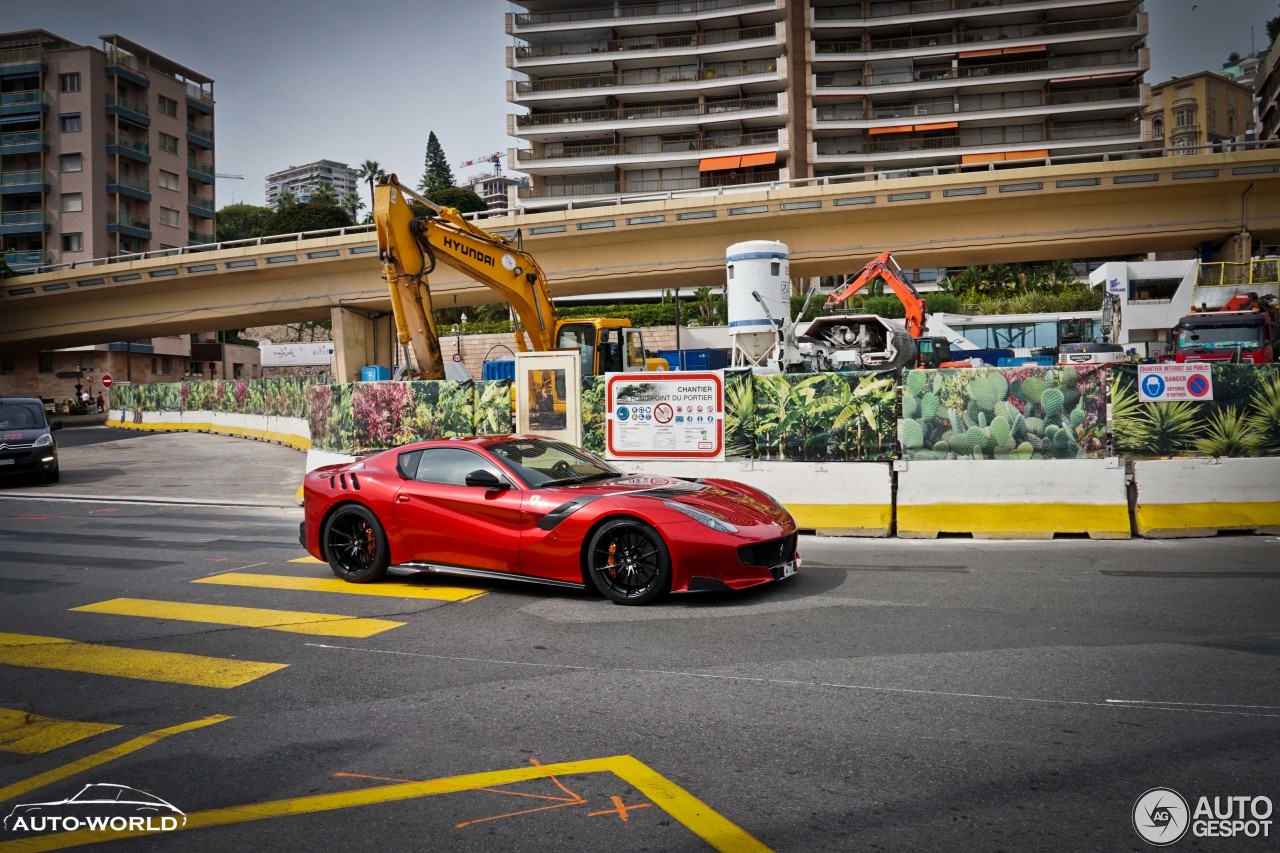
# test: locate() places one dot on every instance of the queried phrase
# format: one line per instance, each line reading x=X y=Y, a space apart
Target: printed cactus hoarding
x=1011 y=413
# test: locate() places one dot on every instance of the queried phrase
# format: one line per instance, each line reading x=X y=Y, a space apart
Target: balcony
x=135 y=111
x=17 y=103
x=194 y=238
x=119 y=183
x=692 y=76
x=25 y=181
x=198 y=206
x=21 y=60
x=199 y=99
x=623 y=15
x=128 y=66
x=700 y=42
x=1058 y=69
x=198 y=135
x=27 y=261
x=976 y=141
x=127 y=223
x=24 y=222
x=684 y=114
x=853 y=13
x=198 y=171
x=972 y=39
x=667 y=152
x=1012 y=103
x=24 y=142
x=127 y=146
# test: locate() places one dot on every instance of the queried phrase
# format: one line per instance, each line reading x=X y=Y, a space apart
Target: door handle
x=402 y=499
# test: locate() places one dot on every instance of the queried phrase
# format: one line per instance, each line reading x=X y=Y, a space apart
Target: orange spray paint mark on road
x=619 y=809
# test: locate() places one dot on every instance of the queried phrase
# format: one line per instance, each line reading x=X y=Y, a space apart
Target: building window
x=168 y=180
x=169 y=216
x=69 y=82
x=46 y=362
x=6 y=365
x=168 y=106
x=72 y=202
x=70 y=163
x=1184 y=118
x=161 y=365
x=168 y=143
x=73 y=242
x=69 y=122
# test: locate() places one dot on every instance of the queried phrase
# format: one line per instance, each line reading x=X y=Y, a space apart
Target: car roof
x=483 y=441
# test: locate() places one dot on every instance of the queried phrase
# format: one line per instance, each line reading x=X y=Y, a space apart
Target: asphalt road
x=900 y=695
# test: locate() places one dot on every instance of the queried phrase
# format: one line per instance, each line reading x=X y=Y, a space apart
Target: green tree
x=351 y=203
x=1273 y=28
x=370 y=171
x=309 y=216
x=462 y=198
x=437 y=175
x=324 y=193
x=242 y=222
x=285 y=199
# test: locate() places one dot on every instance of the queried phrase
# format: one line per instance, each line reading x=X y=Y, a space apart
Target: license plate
x=7 y=461
x=786 y=570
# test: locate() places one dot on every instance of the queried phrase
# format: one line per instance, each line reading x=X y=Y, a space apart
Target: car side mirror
x=56 y=425
x=486 y=479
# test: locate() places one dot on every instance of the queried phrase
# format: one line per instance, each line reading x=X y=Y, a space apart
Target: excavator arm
x=880 y=268
x=410 y=245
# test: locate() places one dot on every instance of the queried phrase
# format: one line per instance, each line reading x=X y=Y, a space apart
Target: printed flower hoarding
x=1009 y=413
x=1242 y=419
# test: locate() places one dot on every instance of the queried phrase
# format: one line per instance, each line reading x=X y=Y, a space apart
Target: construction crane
x=225 y=175
x=494 y=159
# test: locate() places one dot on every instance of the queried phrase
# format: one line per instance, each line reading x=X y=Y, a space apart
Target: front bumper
x=26 y=462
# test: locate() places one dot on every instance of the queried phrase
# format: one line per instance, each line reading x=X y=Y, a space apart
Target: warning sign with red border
x=664 y=415
x=1161 y=383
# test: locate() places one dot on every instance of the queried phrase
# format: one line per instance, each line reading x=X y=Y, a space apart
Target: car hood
x=723 y=499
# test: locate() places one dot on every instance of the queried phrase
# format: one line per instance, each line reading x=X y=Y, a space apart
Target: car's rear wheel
x=355 y=544
x=628 y=562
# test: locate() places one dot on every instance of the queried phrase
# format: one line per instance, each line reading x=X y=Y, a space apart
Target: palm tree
x=352 y=203
x=324 y=193
x=371 y=171
x=286 y=199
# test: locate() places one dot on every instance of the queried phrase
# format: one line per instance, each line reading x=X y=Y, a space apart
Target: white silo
x=758 y=275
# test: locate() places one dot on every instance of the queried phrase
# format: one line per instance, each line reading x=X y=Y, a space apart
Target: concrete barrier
x=830 y=498
x=1024 y=499
x=1200 y=497
x=291 y=432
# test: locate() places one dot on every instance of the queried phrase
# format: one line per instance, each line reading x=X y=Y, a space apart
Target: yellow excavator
x=411 y=244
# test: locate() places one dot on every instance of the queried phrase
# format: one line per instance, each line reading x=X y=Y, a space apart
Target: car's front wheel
x=355 y=544
x=628 y=562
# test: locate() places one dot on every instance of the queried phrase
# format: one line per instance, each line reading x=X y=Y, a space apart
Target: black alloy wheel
x=355 y=544
x=628 y=562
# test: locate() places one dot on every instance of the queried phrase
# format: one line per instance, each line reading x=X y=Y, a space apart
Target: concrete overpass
x=833 y=226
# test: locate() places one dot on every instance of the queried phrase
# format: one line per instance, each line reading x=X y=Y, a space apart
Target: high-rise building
x=304 y=180
x=631 y=97
x=1268 y=89
x=103 y=151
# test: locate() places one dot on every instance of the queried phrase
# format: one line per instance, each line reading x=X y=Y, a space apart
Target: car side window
x=451 y=465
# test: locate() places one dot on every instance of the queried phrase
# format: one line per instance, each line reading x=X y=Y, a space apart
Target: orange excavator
x=879 y=268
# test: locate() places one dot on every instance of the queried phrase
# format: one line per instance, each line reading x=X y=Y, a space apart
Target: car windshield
x=20 y=416
x=541 y=462
x=1220 y=336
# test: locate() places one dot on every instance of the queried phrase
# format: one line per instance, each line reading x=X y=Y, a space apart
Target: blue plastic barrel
x=374 y=373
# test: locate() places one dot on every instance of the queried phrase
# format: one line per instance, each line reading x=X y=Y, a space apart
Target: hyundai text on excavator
x=410 y=245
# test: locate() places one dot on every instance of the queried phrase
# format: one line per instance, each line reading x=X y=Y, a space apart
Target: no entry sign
x=106 y=380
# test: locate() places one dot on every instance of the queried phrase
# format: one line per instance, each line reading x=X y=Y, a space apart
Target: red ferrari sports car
x=523 y=507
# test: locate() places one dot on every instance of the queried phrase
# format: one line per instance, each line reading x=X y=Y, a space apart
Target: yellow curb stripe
x=142 y=664
x=57 y=774
x=31 y=734
x=848 y=519
x=386 y=589
x=309 y=559
x=1011 y=520
x=1170 y=518
x=291 y=621
x=295 y=441
x=696 y=815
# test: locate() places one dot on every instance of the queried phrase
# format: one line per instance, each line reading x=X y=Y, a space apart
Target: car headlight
x=45 y=440
x=702 y=517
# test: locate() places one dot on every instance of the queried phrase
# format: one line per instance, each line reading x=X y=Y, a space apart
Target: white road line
x=1110 y=703
x=1192 y=704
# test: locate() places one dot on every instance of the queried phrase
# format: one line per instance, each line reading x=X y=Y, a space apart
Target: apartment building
x=304 y=180
x=104 y=151
x=1268 y=89
x=1187 y=114
x=642 y=97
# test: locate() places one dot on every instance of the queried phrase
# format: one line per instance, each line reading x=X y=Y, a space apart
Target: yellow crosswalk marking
x=388 y=589
x=31 y=734
x=143 y=664
x=292 y=621
x=308 y=559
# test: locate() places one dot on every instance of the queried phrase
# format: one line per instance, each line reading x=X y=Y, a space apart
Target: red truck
x=1247 y=324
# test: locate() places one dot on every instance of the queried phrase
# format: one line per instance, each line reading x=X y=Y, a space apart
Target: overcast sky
x=298 y=81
